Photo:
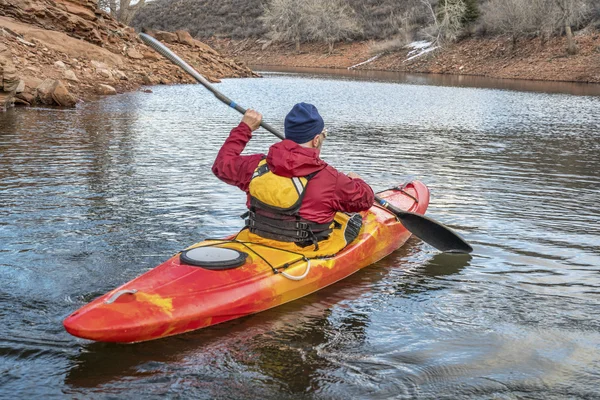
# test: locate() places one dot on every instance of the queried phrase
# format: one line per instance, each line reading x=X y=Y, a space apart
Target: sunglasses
x=325 y=133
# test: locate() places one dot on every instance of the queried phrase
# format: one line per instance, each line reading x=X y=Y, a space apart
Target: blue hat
x=303 y=123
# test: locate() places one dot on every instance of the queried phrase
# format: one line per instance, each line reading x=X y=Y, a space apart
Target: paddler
x=293 y=195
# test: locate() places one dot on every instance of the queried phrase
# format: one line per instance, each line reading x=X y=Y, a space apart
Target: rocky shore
x=492 y=57
x=60 y=52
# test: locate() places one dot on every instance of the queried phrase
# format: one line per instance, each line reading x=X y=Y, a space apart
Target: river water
x=91 y=198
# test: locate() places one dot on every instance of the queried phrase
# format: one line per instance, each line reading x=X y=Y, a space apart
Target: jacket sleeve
x=230 y=166
x=353 y=195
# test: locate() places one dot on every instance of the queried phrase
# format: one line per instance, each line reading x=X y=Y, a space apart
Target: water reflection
x=473 y=81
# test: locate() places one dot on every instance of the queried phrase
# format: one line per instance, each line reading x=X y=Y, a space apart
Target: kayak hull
x=174 y=298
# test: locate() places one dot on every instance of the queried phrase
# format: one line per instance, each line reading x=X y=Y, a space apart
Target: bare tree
x=447 y=19
x=516 y=18
x=122 y=10
x=543 y=18
x=313 y=20
x=285 y=21
x=330 y=21
x=571 y=12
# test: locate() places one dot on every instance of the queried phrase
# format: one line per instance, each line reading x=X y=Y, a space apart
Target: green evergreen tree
x=472 y=11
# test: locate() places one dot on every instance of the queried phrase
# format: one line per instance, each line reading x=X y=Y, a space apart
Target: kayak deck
x=175 y=297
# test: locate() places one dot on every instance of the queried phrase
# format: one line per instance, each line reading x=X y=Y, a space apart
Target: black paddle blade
x=433 y=233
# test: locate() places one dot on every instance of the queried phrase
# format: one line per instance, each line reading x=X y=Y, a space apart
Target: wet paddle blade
x=434 y=233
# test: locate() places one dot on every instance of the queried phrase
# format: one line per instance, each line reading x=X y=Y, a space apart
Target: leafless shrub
x=516 y=18
x=384 y=19
x=571 y=13
x=330 y=21
x=204 y=18
x=310 y=20
x=446 y=18
x=285 y=20
x=536 y=18
x=594 y=13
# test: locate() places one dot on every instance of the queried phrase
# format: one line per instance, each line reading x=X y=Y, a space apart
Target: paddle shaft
x=175 y=59
x=428 y=230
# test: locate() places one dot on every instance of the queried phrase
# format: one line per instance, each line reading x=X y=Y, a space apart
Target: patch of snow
x=419 y=48
x=365 y=62
x=421 y=44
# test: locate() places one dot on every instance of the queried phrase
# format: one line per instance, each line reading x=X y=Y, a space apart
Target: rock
x=32 y=82
x=204 y=47
x=184 y=37
x=105 y=90
x=120 y=75
x=25 y=42
x=19 y=101
x=10 y=78
x=151 y=80
x=6 y=100
x=152 y=55
x=26 y=96
x=80 y=11
x=98 y=64
x=60 y=65
x=133 y=53
x=147 y=91
x=105 y=73
x=70 y=76
x=62 y=97
x=20 y=87
x=166 y=37
x=44 y=91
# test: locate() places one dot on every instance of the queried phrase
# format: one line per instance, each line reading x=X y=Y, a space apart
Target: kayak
x=219 y=280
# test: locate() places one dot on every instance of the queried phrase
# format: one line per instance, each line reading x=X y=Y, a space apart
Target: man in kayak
x=293 y=195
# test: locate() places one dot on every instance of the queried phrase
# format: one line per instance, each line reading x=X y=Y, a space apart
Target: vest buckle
x=302 y=234
x=301 y=225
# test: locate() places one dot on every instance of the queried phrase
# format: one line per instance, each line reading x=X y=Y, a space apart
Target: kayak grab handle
x=298 y=278
x=118 y=294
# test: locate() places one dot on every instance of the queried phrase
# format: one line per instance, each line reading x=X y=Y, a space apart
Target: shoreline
x=530 y=60
x=67 y=53
x=448 y=80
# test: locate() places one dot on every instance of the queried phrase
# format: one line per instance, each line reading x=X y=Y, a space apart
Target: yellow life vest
x=274 y=209
x=276 y=192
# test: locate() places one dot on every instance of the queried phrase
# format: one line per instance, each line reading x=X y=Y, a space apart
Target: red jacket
x=327 y=192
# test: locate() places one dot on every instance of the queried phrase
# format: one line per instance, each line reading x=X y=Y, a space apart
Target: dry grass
x=387 y=46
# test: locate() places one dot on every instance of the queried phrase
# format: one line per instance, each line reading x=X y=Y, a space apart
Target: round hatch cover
x=213 y=257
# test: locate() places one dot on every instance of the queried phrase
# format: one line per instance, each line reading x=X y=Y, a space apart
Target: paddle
x=428 y=230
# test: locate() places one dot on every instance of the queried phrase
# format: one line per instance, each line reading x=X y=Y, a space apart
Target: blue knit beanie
x=303 y=123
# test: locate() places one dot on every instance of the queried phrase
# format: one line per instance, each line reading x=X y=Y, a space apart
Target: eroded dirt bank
x=58 y=52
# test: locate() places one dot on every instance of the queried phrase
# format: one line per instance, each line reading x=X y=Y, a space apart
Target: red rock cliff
x=55 y=52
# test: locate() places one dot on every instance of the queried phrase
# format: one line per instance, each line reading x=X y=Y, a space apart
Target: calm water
x=91 y=198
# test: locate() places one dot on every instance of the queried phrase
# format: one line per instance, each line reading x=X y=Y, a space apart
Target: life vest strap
x=301 y=231
x=290 y=223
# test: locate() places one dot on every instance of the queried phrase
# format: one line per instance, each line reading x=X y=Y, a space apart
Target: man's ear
x=315 y=141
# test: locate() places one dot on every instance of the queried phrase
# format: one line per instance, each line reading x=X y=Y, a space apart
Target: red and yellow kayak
x=176 y=297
